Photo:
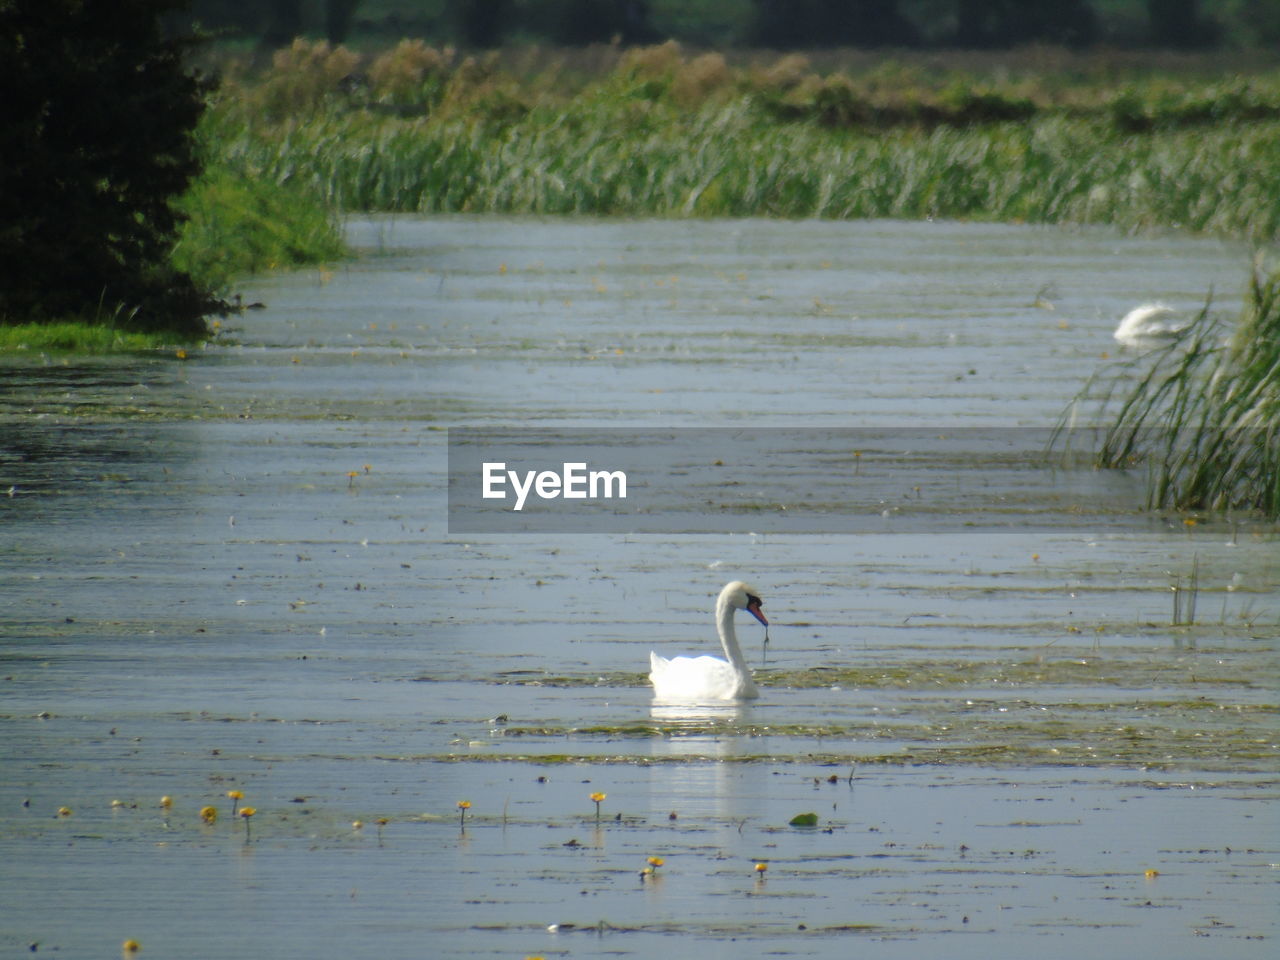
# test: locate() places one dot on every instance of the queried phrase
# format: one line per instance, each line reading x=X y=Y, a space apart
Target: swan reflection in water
x=696 y=714
x=694 y=780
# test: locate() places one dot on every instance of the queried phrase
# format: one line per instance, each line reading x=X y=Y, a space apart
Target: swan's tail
x=656 y=664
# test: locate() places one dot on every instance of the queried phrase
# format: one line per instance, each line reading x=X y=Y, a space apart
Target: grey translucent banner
x=773 y=480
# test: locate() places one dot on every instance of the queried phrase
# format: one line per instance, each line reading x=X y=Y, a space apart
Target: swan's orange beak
x=753 y=607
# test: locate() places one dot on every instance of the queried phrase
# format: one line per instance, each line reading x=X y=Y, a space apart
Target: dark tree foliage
x=1178 y=24
x=577 y=22
x=481 y=23
x=275 y=22
x=338 y=15
x=96 y=141
x=1008 y=23
x=786 y=24
x=284 y=22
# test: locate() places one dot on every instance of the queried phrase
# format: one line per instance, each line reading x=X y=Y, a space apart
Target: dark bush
x=96 y=142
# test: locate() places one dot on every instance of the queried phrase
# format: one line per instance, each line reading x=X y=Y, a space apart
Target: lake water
x=1029 y=716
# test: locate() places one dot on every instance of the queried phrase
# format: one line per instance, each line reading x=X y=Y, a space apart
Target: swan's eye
x=754 y=599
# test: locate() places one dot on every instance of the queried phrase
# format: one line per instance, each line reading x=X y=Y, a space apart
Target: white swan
x=1151 y=321
x=710 y=678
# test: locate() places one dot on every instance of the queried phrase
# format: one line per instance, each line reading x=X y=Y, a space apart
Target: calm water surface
x=1009 y=743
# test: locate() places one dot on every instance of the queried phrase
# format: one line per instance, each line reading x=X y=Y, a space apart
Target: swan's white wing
x=697 y=678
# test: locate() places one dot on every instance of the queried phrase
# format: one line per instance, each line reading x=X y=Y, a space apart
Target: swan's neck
x=729 y=637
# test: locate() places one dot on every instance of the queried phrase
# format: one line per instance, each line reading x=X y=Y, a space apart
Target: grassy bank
x=657 y=132
x=76 y=336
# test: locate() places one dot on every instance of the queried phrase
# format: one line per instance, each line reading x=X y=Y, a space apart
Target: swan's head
x=740 y=596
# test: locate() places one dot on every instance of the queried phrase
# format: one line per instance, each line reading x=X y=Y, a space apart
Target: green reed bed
x=662 y=134
x=1202 y=413
x=728 y=161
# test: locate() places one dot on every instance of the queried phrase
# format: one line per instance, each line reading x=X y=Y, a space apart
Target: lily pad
x=804 y=820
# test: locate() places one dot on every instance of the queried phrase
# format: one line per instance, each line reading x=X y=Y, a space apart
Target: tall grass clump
x=1202 y=413
x=238 y=225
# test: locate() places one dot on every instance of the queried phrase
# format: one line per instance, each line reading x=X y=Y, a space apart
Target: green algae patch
x=1128 y=672
x=1169 y=734
x=1141 y=671
x=1137 y=707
